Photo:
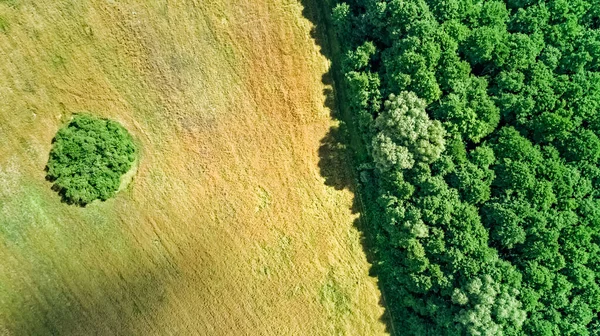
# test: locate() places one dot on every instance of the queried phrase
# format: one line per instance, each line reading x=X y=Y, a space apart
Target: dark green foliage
x=495 y=228
x=88 y=158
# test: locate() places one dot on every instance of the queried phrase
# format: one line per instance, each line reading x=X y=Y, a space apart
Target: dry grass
x=228 y=227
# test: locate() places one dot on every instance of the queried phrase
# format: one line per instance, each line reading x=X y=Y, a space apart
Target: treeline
x=481 y=120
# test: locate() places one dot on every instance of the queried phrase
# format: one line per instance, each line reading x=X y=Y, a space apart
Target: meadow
x=229 y=225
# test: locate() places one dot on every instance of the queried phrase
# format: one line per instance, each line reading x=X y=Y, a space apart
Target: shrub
x=88 y=157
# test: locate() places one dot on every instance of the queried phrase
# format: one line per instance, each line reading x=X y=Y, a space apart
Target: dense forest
x=481 y=123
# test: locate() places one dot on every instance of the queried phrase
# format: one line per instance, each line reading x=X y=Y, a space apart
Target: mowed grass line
x=227 y=227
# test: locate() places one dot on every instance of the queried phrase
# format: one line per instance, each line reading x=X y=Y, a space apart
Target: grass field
x=228 y=227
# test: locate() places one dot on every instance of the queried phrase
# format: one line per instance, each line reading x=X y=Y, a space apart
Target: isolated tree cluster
x=482 y=184
x=88 y=157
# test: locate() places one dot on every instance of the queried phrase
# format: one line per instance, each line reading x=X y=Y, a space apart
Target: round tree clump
x=88 y=157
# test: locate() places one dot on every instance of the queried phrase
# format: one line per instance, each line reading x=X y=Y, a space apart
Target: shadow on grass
x=112 y=308
x=342 y=150
x=333 y=158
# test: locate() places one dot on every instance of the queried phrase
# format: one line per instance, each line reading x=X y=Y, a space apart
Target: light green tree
x=493 y=307
x=406 y=134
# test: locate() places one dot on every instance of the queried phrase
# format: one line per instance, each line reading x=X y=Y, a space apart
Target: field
x=233 y=223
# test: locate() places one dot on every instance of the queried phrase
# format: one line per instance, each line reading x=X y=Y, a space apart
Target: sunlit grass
x=227 y=226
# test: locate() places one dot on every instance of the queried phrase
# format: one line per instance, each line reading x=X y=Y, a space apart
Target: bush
x=88 y=158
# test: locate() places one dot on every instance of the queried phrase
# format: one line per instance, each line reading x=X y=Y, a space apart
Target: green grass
x=3 y=25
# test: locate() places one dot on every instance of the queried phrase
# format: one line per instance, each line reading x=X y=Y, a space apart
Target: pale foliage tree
x=406 y=134
x=492 y=307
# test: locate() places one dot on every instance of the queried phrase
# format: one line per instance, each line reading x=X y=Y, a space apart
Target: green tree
x=88 y=158
x=406 y=134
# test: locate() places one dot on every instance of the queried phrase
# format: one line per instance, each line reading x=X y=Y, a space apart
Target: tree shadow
x=111 y=308
x=341 y=150
x=333 y=158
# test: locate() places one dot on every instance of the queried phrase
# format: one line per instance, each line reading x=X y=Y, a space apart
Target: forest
x=481 y=122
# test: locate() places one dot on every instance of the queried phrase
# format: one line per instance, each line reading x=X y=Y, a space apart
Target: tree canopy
x=482 y=121
x=88 y=158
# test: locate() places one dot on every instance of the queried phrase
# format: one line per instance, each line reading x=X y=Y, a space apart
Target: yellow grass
x=227 y=228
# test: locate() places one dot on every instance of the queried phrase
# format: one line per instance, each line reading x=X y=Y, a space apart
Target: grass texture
x=228 y=225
